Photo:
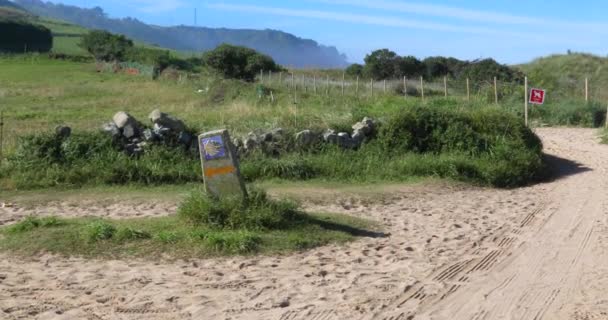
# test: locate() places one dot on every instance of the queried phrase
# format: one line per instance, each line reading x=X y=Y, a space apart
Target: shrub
x=106 y=46
x=256 y=212
x=98 y=231
x=354 y=70
x=168 y=237
x=381 y=64
x=238 y=62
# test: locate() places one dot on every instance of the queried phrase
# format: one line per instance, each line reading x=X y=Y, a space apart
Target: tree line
x=385 y=64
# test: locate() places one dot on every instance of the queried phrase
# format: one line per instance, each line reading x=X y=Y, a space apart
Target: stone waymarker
x=220 y=165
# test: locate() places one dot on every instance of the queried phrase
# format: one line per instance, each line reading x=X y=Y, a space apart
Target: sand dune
x=539 y=252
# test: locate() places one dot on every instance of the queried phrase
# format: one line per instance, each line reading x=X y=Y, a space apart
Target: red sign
x=537 y=96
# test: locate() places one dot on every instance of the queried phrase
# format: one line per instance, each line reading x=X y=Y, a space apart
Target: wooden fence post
x=404 y=87
x=293 y=82
x=385 y=86
x=327 y=83
x=445 y=86
x=468 y=91
x=586 y=89
x=372 y=87
x=269 y=77
x=422 y=87
x=314 y=83
x=526 y=101
x=1 y=136
x=357 y=87
x=280 y=78
x=343 y=75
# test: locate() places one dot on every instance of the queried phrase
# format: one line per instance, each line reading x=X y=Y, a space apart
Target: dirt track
x=533 y=253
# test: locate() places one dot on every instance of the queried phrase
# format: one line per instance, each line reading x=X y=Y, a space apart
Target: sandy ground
x=539 y=252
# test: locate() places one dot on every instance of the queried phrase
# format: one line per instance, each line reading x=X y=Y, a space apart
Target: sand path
x=539 y=252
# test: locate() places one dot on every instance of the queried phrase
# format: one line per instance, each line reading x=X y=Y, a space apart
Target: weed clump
x=99 y=231
x=30 y=223
x=256 y=212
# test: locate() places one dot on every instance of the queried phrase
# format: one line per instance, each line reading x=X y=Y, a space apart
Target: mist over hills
x=284 y=48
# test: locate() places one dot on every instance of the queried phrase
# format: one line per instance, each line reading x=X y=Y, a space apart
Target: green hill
x=564 y=75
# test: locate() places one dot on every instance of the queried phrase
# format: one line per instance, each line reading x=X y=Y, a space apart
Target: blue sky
x=510 y=31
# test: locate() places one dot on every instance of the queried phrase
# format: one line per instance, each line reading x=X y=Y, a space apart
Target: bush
x=354 y=70
x=98 y=231
x=256 y=212
x=105 y=46
x=128 y=233
x=239 y=62
x=20 y=37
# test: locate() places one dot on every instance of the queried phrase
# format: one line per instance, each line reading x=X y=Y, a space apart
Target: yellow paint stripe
x=210 y=172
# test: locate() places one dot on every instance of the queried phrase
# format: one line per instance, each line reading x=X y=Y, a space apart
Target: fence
x=493 y=90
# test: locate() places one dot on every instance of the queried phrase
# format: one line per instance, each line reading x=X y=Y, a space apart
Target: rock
x=63 y=131
x=167 y=121
x=185 y=138
x=130 y=131
x=358 y=137
x=250 y=143
x=122 y=119
x=112 y=129
x=367 y=126
x=344 y=140
x=330 y=136
x=305 y=138
x=133 y=149
x=161 y=131
x=150 y=135
x=238 y=143
x=277 y=134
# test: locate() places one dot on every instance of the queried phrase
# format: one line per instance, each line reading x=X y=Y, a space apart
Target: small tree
x=106 y=46
x=354 y=70
x=409 y=66
x=381 y=64
x=239 y=62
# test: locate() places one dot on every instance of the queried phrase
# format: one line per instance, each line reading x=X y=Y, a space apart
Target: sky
x=510 y=31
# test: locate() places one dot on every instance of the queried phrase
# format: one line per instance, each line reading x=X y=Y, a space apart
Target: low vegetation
x=203 y=227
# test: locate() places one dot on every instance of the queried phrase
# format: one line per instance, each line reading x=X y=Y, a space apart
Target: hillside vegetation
x=284 y=48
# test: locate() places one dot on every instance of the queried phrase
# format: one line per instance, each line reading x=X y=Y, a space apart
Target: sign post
x=220 y=165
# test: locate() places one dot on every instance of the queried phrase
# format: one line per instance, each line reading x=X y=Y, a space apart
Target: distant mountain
x=7 y=3
x=285 y=48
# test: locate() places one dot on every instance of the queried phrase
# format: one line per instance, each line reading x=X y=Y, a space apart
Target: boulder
x=112 y=129
x=250 y=143
x=367 y=126
x=164 y=120
x=344 y=140
x=358 y=137
x=122 y=119
x=130 y=131
x=305 y=138
x=330 y=136
x=185 y=138
x=63 y=131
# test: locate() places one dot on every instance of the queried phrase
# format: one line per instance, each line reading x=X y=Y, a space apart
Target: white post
x=526 y=101
x=422 y=87
x=586 y=89
x=372 y=87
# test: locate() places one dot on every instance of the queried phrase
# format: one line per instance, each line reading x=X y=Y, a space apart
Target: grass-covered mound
x=203 y=227
x=486 y=146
